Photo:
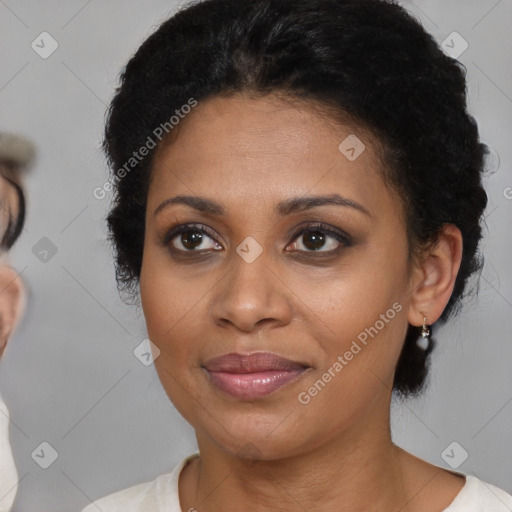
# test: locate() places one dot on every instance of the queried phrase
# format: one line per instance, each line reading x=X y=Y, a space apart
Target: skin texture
x=11 y=285
x=11 y=301
x=335 y=453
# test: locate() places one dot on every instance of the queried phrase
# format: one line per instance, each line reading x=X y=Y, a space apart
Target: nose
x=251 y=296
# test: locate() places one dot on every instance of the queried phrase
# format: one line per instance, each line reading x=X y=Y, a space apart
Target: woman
x=318 y=159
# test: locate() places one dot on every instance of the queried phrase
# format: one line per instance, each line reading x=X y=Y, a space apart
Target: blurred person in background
x=16 y=157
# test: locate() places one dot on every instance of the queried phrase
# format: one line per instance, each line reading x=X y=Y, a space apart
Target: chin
x=253 y=435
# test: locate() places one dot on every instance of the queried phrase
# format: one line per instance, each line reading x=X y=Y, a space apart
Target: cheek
x=363 y=325
x=353 y=296
x=170 y=298
x=358 y=314
x=359 y=333
x=175 y=308
x=169 y=311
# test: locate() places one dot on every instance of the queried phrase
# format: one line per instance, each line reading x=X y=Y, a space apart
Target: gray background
x=69 y=375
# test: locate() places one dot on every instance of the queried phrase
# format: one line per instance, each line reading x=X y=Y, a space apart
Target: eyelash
x=339 y=235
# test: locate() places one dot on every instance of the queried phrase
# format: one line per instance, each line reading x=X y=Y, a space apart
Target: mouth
x=252 y=376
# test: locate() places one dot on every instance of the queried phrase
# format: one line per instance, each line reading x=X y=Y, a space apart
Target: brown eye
x=320 y=238
x=313 y=240
x=191 y=239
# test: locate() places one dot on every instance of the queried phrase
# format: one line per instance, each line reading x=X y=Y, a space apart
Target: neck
x=359 y=469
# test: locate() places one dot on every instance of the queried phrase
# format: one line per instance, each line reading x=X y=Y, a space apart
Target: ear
x=11 y=302
x=433 y=278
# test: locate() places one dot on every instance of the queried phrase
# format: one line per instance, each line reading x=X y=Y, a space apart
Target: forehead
x=264 y=149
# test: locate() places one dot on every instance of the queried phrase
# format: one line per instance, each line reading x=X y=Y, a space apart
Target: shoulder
x=480 y=496
x=160 y=494
x=130 y=499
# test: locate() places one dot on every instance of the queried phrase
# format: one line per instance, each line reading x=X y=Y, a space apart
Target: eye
x=199 y=238
x=320 y=238
x=192 y=238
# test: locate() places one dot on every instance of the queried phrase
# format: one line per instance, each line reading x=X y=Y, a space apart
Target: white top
x=161 y=495
x=8 y=473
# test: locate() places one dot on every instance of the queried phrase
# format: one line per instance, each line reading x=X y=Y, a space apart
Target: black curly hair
x=369 y=60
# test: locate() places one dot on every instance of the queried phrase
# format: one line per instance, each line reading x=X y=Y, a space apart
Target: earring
x=423 y=342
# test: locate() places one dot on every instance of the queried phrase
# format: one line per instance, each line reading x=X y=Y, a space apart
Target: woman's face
x=304 y=256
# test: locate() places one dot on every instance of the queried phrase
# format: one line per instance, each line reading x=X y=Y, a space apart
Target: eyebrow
x=286 y=207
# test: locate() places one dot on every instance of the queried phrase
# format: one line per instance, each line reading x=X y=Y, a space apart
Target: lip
x=249 y=363
x=252 y=376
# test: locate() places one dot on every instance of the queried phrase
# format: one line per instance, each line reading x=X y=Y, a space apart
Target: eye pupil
x=314 y=240
x=191 y=239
